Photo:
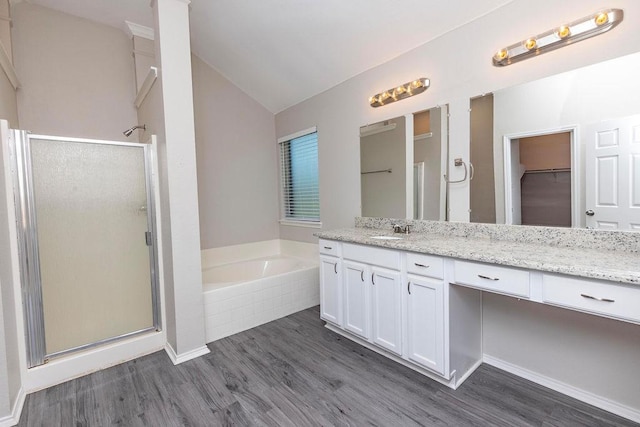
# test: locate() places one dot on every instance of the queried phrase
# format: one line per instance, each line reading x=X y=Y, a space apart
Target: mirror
x=401 y=166
x=561 y=151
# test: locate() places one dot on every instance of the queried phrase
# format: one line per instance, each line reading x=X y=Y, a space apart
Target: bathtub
x=248 y=285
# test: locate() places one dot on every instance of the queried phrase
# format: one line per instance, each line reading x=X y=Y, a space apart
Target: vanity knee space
x=425 y=310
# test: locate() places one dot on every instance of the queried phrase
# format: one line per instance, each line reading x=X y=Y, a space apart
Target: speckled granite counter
x=569 y=257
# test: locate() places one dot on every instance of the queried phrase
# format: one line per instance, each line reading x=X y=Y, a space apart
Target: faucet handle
x=406 y=229
x=397 y=228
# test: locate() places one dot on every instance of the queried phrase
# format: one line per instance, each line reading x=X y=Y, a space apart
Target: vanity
x=417 y=298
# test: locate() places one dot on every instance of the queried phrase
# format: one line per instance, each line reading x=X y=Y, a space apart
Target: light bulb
x=601 y=19
x=416 y=84
x=501 y=55
x=399 y=90
x=530 y=44
x=563 y=32
x=373 y=100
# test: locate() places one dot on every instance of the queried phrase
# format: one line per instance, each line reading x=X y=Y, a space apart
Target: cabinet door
x=331 y=290
x=386 y=289
x=356 y=294
x=425 y=322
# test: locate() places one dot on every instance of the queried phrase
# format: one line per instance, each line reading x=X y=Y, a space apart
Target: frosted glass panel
x=91 y=219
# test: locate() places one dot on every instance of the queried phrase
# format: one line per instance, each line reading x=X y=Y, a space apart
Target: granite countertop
x=616 y=266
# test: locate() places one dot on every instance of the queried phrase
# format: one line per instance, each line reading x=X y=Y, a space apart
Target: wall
x=237 y=162
x=77 y=75
x=8 y=101
x=578 y=98
x=459 y=66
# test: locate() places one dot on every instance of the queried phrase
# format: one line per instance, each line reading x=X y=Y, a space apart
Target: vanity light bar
x=401 y=92
x=563 y=35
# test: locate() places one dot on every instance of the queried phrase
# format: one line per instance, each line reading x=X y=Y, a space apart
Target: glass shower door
x=92 y=258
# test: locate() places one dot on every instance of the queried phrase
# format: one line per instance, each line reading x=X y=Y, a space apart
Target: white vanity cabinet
x=356 y=298
x=386 y=309
x=373 y=295
x=425 y=311
x=330 y=282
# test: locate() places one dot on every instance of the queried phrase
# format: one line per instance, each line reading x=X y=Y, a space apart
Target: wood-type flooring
x=294 y=372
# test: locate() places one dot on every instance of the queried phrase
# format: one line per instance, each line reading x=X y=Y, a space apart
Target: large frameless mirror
x=402 y=163
x=561 y=151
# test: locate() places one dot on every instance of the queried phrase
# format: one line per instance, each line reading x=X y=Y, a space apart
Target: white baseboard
x=564 y=388
x=14 y=418
x=192 y=354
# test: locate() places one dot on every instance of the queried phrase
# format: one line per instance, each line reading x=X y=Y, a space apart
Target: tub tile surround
x=241 y=306
x=604 y=255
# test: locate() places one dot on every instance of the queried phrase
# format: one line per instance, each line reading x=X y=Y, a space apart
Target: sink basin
x=386 y=238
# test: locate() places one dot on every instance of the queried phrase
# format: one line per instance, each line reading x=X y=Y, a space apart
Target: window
x=299 y=178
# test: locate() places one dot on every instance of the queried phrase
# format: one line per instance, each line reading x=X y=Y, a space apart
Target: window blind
x=299 y=175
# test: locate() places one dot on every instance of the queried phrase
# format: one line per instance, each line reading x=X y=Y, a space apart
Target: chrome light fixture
x=401 y=92
x=581 y=29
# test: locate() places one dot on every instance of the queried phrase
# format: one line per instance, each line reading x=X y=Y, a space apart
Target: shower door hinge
x=147 y=238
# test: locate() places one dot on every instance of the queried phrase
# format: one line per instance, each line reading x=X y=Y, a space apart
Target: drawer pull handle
x=328 y=247
x=409 y=287
x=421 y=265
x=362 y=275
x=487 y=277
x=335 y=268
x=596 y=298
x=373 y=282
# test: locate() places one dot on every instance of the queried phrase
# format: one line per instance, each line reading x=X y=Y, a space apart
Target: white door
x=613 y=174
x=356 y=293
x=425 y=323
x=386 y=288
x=331 y=290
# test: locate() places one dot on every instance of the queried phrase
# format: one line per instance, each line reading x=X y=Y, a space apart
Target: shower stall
x=86 y=238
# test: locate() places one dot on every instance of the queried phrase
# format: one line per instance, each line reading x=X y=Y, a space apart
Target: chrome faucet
x=400 y=229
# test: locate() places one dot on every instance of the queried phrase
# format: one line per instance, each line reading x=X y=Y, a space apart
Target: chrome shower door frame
x=27 y=231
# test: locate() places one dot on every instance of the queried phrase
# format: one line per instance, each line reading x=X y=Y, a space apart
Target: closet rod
x=380 y=171
x=549 y=170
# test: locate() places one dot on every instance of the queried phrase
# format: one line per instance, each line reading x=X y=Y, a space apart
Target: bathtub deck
x=295 y=372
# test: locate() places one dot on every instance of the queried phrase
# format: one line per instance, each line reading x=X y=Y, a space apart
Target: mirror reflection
x=561 y=151
x=401 y=166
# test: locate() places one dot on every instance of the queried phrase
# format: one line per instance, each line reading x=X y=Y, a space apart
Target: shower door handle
x=147 y=238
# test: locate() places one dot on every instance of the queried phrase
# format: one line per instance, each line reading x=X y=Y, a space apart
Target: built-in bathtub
x=248 y=285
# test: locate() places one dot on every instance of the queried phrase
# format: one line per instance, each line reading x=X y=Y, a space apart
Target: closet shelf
x=146 y=86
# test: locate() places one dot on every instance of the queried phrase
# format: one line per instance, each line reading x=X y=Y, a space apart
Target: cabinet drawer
x=425 y=265
x=489 y=277
x=371 y=255
x=328 y=247
x=603 y=298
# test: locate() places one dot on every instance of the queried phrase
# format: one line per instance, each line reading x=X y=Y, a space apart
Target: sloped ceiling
x=281 y=52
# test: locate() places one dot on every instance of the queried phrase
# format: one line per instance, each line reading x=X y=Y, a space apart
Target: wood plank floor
x=294 y=372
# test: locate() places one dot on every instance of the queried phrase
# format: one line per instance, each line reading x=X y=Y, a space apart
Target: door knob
x=590 y=213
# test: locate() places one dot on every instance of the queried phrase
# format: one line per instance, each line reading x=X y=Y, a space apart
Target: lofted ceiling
x=281 y=52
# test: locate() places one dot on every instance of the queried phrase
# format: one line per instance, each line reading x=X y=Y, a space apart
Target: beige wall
x=551 y=151
x=459 y=70
x=8 y=101
x=459 y=65
x=77 y=75
x=237 y=158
